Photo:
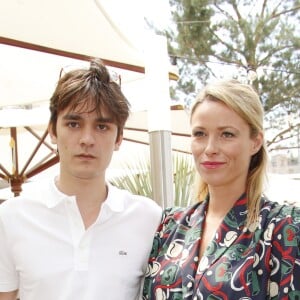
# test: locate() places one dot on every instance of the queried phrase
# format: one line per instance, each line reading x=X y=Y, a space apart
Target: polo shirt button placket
x=82 y=257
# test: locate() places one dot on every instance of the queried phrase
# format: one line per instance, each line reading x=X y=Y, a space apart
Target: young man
x=77 y=237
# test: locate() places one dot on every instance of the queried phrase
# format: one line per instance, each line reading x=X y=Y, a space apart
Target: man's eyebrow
x=77 y=117
x=72 y=117
x=105 y=120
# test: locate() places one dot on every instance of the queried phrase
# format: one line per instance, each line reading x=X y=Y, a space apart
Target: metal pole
x=161 y=167
x=298 y=140
x=159 y=118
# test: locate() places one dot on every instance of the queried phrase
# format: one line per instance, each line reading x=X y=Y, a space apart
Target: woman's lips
x=212 y=164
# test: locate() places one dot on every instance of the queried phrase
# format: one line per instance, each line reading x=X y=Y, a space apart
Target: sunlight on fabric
x=18 y=117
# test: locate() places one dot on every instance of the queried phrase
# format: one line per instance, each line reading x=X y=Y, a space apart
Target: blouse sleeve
x=166 y=224
x=285 y=255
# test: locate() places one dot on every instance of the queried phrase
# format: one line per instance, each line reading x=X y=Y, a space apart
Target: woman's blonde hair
x=244 y=100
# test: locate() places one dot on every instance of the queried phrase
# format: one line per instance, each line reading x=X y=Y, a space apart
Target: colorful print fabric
x=262 y=262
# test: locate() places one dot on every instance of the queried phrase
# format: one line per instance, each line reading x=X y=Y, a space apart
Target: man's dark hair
x=95 y=86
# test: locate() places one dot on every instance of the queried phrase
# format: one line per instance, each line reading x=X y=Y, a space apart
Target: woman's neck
x=221 y=200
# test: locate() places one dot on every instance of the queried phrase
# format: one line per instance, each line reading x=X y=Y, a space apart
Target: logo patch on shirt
x=122 y=252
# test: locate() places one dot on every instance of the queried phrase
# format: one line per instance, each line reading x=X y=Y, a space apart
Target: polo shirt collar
x=115 y=200
x=54 y=196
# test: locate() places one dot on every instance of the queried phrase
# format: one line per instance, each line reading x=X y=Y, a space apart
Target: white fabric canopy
x=67 y=32
x=74 y=28
x=28 y=77
x=39 y=37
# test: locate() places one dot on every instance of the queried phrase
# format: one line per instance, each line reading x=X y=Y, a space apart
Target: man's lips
x=85 y=156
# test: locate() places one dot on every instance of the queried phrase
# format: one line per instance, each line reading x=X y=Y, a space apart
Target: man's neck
x=89 y=194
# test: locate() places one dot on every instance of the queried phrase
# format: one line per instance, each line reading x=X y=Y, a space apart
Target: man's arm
x=8 y=295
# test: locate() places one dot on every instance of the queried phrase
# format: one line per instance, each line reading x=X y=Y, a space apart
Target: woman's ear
x=257 y=142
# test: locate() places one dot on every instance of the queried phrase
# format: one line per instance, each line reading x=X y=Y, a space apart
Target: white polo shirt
x=46 y=252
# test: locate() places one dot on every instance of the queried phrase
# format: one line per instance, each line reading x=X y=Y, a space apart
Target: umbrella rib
x=43 y=167
x=4 y=171
x=41 y=141
x=39 y=138
x=40 y=163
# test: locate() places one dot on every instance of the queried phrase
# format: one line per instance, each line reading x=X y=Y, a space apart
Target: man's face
x=85 y=141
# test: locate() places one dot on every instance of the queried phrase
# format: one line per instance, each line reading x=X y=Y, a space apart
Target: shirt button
x=82 y=246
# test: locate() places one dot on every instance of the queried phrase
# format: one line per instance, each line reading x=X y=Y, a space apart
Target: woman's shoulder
x=282 y=222
x=276 y=211
x=178 y=214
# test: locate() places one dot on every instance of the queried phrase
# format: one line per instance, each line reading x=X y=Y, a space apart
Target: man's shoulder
x=34 y=191
x=135 y=201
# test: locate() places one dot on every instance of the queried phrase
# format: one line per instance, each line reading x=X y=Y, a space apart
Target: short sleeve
x=8 y=274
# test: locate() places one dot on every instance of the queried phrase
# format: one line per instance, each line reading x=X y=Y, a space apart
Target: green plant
x=137 y=178
x=183 y=178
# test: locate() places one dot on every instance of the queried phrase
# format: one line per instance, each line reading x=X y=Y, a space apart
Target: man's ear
x=52 y=134
x=257 y=142
x=118 y=142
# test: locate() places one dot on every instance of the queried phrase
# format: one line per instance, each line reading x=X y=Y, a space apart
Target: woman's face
x=221 y=145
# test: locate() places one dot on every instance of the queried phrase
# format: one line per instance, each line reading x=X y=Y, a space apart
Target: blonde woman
x=233 y=243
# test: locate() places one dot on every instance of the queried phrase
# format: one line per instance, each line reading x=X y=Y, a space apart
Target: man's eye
x=73 y=124
x=102 y=126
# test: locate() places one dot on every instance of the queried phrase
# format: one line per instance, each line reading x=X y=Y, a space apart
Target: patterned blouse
x=261 y=262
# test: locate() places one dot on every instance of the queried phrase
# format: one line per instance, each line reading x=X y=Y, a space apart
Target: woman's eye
x=198 y=133
x=227 y=134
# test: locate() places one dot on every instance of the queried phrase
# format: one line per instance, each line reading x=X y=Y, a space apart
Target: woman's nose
x=211 y=146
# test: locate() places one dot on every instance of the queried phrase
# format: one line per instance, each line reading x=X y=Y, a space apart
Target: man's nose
x=87 y=136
